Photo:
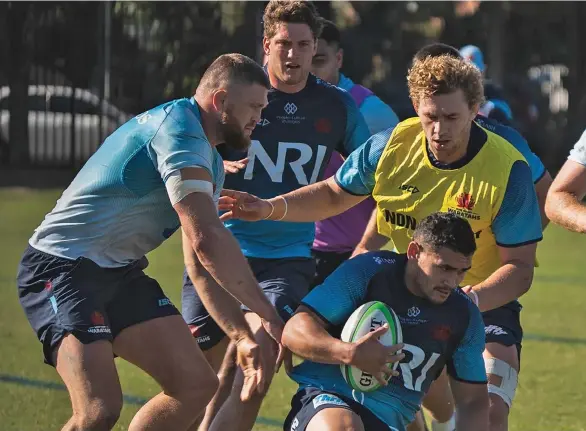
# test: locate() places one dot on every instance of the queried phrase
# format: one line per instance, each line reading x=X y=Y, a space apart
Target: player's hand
x=369 y=355
x=233 y=167
x=359 y=250
x=243 y=206
x=275 y=328
x=249 y=358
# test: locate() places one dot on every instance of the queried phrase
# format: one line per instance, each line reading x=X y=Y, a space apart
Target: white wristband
x=286 y=209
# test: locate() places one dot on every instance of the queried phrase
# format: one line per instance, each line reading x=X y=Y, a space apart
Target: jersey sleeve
x=520 y=144
x=378 y=115
x=518 y=221
x=180 y=143
x=356 y=129
x=578 y=153
x=356 y=175
x=466 y=363
x=343 y=291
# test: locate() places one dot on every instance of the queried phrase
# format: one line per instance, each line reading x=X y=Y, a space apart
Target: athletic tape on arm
x=178 y=188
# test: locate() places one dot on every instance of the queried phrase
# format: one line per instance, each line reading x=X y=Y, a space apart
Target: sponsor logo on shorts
x=202 y=339
x=99 y=330
x=288 y=309
x=165 y=301
x=327 y=399
x=294 y=424
x=495 y=330
x=97 y=318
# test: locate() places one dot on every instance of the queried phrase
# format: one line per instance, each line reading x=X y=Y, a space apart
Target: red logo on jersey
x=441 y=332
x=97 y=319
x=48 y=285
x=323 y=125
x=466 y=201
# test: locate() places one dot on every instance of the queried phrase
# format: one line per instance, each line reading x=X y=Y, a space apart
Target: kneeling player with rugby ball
x=440 y=327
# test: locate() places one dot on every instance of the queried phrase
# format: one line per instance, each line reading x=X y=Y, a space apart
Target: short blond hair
x=445 y=74
x=286 y=11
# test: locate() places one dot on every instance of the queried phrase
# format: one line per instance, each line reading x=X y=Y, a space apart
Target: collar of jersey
x=345 y=83
x=193 y=105
x=310 y=80
x=476 y=143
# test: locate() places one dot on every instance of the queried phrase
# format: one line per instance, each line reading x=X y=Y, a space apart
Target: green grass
x=550 y=396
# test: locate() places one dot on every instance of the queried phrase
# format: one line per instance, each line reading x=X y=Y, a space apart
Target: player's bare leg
x=499 y=408
x=165 y=349
x=90 y=375
x=335 y=419
x=222 y=358
x=439 y=402
x=235 y=414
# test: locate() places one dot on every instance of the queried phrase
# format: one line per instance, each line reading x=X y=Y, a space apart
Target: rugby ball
x=363 y=320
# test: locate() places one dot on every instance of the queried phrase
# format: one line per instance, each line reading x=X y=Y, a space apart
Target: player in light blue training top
x=440 y=325
x=81 y=281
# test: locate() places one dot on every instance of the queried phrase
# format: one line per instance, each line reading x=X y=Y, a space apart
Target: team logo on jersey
x=441 y=332
x=413 y=312
x=323 y=125
x=263 y=122
x=290 y=108
x=48 y=285
x=465 y=203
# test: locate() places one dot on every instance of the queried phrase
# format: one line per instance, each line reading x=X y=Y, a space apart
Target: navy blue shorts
x=284 y=281
x=503 y=326
x=61 y=296
x=308 y=402
x=327 y=262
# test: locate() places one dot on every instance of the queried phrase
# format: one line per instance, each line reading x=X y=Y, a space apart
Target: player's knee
x=502 y=384
x=195 y=389
x=98 y=415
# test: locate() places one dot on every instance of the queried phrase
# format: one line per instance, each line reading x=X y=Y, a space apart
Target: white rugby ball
x=365 y=319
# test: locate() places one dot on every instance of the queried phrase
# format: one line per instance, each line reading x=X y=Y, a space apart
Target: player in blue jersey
x=306 y=120
x=81 y=280
x=440 y=325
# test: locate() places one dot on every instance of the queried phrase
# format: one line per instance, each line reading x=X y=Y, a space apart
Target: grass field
x=551 y=395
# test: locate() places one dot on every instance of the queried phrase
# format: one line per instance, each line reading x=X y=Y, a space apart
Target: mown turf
x=550 y=397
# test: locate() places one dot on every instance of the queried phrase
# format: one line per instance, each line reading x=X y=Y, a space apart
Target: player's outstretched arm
x=472 y=405
x=310 y=203
x=563 y=205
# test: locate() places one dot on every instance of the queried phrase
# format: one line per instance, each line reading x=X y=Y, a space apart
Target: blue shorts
x=285 y=282
x=503 y=326
x=61 y=296
x=308 y=402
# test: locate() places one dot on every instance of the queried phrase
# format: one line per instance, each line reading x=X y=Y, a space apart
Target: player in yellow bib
x=443 y=160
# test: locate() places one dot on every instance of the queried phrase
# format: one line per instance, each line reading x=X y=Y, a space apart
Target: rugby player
x=441 y=160
x=81 y=280
x=306 y=120
x=440 y=326
x=507 y=331
x=337 y=237
x=564 y=202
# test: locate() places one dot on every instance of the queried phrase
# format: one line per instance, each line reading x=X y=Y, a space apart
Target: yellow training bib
x=408 y=188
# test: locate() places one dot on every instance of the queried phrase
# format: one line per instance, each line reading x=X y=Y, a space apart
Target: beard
x=231 y=132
